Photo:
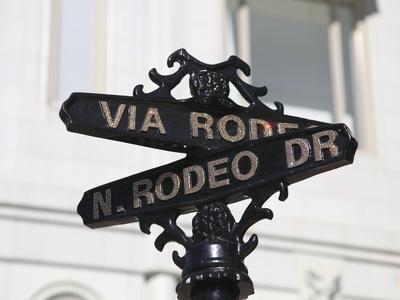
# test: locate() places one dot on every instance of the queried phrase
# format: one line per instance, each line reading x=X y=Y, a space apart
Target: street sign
x=231 y=173
x=182 y=126
x=234 y=152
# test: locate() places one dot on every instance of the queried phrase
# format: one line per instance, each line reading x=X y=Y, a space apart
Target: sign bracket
x=214 y=228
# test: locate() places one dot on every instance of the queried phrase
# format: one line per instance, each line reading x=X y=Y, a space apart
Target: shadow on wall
x=369 y=7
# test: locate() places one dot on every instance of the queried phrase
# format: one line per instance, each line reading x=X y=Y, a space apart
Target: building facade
x=338 y=234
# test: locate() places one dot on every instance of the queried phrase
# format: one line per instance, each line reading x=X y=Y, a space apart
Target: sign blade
x=216 y=175
x=174 y=125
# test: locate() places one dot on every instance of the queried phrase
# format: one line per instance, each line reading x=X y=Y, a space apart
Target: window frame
x=100 y=46
x=363 y=115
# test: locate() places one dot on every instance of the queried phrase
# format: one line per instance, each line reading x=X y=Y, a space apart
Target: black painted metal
x=272 y=169
x=215 y=290
x=213 y=265
x=81 y=113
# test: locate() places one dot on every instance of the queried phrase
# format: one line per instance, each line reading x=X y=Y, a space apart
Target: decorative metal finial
x=207 y=81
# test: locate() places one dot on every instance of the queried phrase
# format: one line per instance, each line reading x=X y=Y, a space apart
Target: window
x=303 y=51
x=76 y=49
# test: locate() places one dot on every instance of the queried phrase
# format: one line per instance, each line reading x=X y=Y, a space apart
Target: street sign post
x=233 y=153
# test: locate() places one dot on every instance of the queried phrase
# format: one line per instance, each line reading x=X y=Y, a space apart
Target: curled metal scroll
x=207 y=81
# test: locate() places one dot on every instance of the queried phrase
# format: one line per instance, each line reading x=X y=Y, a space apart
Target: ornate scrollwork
x=213 y=219
x=207 y=82
x=217 y=249
x=172 y=232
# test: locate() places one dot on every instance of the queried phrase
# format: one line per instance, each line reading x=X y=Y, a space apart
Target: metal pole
x=215 y=291
x=213 y=266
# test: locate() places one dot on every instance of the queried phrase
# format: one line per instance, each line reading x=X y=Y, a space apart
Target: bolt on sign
x=233 y=152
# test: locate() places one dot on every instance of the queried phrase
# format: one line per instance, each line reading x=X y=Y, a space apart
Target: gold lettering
x=213 y=173
x=189 y=188
x=290 y=155
x=105 y=109
x=175 y=186
x=137 y=202
x=196 y=125
x=131 y=117
x=105 y=206
x=240 y=131
x=253 y=165
x=267 y=128
x=153 y=120
x=283 y=126
x=329 y=144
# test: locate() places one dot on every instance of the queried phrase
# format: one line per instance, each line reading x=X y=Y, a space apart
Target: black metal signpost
x=233 y=153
